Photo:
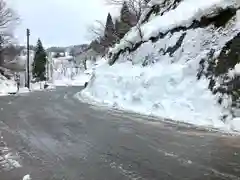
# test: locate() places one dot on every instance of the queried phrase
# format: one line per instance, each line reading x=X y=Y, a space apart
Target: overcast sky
x=58 y=22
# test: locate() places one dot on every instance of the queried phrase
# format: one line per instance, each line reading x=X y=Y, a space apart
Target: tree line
x=106 y=35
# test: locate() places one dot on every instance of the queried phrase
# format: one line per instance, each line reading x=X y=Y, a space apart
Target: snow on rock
x=183 y=15
x=160 y=78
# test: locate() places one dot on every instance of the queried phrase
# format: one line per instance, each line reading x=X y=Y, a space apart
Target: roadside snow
x=170 y=94
x=39 y=86
x=167 y=87
x=9 y=86
x=8 y=159
x=6 y=86
x=26 y=177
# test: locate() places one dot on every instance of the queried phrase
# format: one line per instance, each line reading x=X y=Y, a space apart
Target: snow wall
x=164 y=72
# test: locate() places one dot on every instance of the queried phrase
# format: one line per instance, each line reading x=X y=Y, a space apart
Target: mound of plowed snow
x=6 y=86
x=160 y=77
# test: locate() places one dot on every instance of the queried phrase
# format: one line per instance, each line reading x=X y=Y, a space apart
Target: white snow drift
x=169 y=87
x=27 y=177
x=6 y=86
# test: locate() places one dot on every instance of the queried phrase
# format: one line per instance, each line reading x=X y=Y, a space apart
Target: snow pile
x=26 y=177
x=38 y=86
x=8 y=160
x=155 y=91
x=9 y=87
x=6 y=86
x=160 y=78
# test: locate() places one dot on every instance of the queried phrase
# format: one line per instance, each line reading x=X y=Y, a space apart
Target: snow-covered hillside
x=171 y=68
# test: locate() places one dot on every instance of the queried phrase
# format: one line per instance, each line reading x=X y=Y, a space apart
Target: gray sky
x=58 y=22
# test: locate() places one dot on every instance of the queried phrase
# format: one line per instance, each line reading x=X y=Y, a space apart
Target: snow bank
x=9 y=86
x=8 y=159
x=38 y=86
x=160 y=78
x=155 y=91
x=6 y=86
x=27 y=177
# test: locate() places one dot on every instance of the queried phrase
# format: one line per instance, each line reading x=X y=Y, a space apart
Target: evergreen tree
x=109 y=32
x=125 y=14
x=127 y=20
x=39 y=63
x=109 y=27
x=117 y=29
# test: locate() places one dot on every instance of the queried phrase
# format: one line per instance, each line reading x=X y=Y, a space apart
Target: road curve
x=57 y=137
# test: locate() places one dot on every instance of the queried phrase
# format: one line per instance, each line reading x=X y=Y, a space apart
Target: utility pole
x=28 y=68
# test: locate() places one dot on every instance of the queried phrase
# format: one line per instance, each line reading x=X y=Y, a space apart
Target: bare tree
x=8 y=20
x=96 y=30
x=102 y=36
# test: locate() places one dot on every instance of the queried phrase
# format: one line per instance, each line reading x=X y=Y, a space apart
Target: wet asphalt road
x=57 y=137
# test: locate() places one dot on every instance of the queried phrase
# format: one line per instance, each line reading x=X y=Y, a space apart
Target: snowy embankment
x=9 y=87
x=27 y=177
x=6 y=86
x=173 y=94
x=160 y=78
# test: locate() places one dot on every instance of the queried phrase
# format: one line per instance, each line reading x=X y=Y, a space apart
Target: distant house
x=64 y=55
